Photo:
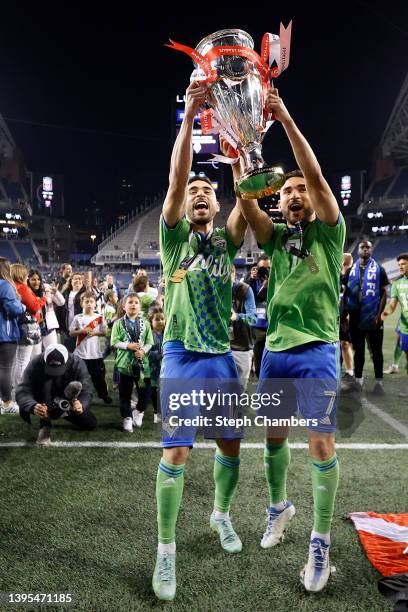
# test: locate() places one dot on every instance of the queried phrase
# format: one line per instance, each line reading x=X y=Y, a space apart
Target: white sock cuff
x=169 y=549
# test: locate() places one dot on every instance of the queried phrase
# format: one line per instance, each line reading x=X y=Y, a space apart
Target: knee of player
x=177 y=455
x=321 y=448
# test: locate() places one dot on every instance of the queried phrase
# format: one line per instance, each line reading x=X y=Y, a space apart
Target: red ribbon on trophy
x=274 y=58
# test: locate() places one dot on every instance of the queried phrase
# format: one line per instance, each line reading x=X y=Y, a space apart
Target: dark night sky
x=106 y=70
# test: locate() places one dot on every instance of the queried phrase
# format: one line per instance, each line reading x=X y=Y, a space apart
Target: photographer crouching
x=56 y=385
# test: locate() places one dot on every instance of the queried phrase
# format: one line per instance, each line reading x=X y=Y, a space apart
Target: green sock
x=169 y=491
x=226 y=473
x=325 y=478
x=276 y=461
x=397 y=354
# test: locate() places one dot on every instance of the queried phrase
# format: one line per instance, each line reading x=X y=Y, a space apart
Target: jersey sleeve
x=148 y=335
x=75 y=324
x=171 y=241
x=232 y=249
x=394 y=291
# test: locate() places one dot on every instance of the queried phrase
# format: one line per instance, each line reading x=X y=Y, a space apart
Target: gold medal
x=311 y=264
x=178 y=276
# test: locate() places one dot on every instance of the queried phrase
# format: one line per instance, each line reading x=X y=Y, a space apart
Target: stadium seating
x=138 y=242
x=26 y=252
x=380 y=189
x=400 y=186
x=390 y=247
x=6 y=250
x=13 y=190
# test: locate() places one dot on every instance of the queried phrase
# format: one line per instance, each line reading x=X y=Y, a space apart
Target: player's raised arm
x=236 y=224
x=246 y=212
x=182 y=157
x=323 y=201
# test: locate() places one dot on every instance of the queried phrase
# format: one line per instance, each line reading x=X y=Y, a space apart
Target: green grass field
x=82 y=520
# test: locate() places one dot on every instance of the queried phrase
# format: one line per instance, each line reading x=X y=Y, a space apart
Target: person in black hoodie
x=46 y=391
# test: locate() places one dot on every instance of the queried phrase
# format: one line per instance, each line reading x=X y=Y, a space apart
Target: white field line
x=199 y=445
x=384 y=416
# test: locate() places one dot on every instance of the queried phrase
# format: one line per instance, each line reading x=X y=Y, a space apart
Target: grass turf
x=83 y=520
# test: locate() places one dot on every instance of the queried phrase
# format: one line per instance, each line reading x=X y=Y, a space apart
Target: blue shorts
x=185 y=373
x=404 y=342
x=314 y=373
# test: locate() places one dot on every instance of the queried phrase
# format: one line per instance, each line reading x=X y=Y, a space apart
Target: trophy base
x=259 y=183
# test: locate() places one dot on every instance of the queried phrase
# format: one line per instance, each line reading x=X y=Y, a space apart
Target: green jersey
x=303 y=306
x=197 y=309
x=399 y=291
x=125 y=358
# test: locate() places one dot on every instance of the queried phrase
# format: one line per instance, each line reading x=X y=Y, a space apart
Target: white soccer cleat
x=317 y=570
x=157 y=418
x=278 y=520
x=44 y=436
x=393 y=369
x=128 y=425
x=137 y=418
x=10 y=408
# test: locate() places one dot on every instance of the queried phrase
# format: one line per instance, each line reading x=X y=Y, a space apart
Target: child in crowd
x=88 y=327
x=132 y=338
x=110 y=316
x=157 y=322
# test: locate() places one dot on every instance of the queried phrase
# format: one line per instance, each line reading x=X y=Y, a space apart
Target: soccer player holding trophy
x=197 y=259
x=302 y=338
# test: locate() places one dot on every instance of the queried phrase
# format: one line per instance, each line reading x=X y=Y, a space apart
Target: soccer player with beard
x=302 y=337
x=197 y=259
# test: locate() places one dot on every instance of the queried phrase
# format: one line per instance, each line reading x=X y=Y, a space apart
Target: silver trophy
x=238 y=96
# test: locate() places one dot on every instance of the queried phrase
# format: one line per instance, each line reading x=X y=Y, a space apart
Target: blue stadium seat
x=7 y=252
x=379 y=189
x=401 y=185
x=390 y=247
x=13 y=190
x=26 y=252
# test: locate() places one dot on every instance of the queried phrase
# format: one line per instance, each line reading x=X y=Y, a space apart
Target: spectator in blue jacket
x=10 y=309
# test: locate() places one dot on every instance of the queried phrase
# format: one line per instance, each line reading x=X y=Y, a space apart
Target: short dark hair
x=403 y=256
x=293 y=173
x=193 y=179
x=365 y=241
x=86 y=295
x=154 y=310
x=131 y=294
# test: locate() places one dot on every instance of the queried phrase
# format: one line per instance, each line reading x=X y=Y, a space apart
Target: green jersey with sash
x=197 y=309
x=303 y=292
x=399 y=291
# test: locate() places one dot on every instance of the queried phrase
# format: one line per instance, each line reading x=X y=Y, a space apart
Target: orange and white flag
x=385 y=540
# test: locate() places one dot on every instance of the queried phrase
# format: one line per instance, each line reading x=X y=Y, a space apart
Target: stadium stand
x=400 y=185
x=7 y=251
x=138 y=241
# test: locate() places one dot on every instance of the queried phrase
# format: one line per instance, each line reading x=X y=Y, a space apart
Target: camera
x=59 y=405
x=263 y=273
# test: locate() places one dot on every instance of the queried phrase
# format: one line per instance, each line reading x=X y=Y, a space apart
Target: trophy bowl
x=238 y=96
